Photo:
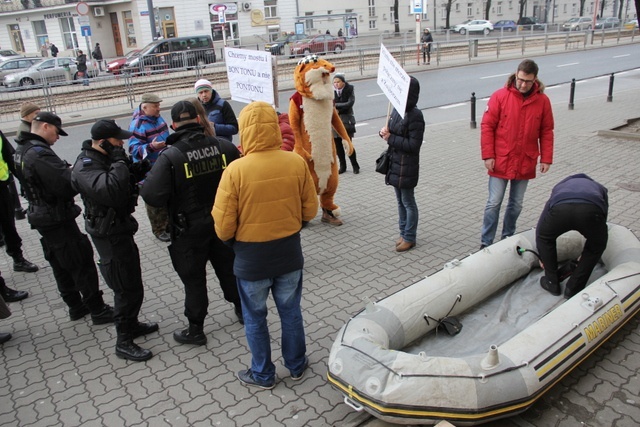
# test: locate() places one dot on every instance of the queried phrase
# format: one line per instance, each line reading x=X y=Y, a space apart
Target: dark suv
x=528 y=22
x=277 y=47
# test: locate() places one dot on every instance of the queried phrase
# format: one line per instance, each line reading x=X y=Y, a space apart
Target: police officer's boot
x=192 y=335
x=101 y=313
x=77 y=309
x=127 y=349
x=139 y=329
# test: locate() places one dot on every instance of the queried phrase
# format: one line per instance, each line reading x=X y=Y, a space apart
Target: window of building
x=130 y=31
x=308 y=23
x=270 y=8
x=372 y=11
x=273 y=32
x=457 y=7
x=499 y=8
x=469 y=9
x=372 y=24
x=69 y=36
x=574 y=9
x=40 y=32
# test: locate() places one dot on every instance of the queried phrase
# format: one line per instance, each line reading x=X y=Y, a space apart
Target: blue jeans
x=497 y=188
x=407 y=213
x=287 y=293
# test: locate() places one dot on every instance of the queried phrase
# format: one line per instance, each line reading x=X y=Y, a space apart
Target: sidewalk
x=59 y=372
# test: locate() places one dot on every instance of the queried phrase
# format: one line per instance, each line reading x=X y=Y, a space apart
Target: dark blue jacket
x=579 y=188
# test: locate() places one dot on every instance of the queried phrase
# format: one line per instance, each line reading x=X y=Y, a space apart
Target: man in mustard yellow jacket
x=263 y=200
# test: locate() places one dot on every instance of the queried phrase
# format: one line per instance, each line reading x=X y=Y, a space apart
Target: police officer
x=46 y=181
x=185 y=179
x=107 y=182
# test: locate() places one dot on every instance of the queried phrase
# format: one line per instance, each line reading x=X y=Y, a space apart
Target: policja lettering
x=210 y=162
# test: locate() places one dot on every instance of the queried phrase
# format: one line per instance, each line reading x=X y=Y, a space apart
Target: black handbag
x=383 y=162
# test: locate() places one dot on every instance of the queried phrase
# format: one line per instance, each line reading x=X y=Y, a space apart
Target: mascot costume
x=313 y=116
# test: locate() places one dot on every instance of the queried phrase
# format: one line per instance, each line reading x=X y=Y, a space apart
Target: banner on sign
x=250 y=75
x=393 y=80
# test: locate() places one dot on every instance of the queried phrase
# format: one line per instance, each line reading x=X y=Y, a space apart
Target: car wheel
x=307 y=52
x=510 y=29
x=577 y=28
x=463 y=31
x=337 y=49
x=486 y=31
x=26 y=82
x=589 y=27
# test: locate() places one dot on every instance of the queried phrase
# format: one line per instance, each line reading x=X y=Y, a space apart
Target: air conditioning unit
x=246 y=7
x=98 y=11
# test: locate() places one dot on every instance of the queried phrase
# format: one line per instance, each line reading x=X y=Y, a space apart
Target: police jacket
x=109 y=192
x=186 y=175
x=46 y=181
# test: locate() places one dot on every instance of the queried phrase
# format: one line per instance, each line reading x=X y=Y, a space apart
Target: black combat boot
x=78 y=312
x=139 y=329
x=103 y=316
x=11 y=295
x=21 y=264
x=127 y=349
x=192 y=335
x=4 y=337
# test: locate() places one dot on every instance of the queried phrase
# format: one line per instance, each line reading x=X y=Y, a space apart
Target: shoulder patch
x=86 y=161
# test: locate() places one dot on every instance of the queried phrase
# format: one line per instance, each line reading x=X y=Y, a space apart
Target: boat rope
x=451 y=325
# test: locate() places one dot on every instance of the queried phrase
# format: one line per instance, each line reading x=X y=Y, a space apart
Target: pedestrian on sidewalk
x=184 y=180
x=576 y=203
x=81 y=61
x=97 y=55
x=263 y=201
x=344 y=99
x=108 y=183
x=404 y=137
x=46 y=180
x=516 y=131
x=426 y=39
x=149 y=132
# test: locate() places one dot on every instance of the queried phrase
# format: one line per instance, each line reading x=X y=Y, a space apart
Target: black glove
x=119 y=155
x=140 y=169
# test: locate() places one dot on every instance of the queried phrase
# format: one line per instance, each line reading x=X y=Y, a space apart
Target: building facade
x=29 y=26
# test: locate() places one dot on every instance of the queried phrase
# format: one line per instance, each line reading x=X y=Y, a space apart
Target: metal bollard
x=610 y=95
x=473 y=110
x=572 y=93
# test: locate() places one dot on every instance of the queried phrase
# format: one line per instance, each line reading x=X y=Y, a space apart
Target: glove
x=140 y=169
x=118 y=154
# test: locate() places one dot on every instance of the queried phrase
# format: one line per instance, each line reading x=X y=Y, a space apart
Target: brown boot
x=399 y=241
x=405 y=246
x=329 y=218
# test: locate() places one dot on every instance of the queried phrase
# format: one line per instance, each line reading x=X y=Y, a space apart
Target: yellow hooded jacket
x=263 y=198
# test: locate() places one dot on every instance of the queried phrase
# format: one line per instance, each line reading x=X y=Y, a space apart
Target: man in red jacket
x=517 y=129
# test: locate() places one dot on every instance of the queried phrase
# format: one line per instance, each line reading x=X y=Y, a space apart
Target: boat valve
x=491 y=360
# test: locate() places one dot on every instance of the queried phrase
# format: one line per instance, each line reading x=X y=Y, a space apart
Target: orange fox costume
x=313 y=116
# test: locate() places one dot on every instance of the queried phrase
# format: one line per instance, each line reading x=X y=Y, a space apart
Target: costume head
x=312 y=78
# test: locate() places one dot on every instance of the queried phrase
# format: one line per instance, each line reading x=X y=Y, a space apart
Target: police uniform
x=46 y=181
x=109 y=192
x=185 y=179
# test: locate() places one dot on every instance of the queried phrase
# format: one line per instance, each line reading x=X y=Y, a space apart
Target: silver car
x=14 y=65
x=51 y=70
x=578 y=24
x=8 y=54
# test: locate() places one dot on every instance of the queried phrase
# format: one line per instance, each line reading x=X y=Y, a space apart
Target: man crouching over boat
x=576 y=203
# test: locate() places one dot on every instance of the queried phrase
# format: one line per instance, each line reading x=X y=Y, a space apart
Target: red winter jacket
x=517 y=130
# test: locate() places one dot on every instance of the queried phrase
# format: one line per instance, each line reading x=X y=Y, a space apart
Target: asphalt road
x=448 y=100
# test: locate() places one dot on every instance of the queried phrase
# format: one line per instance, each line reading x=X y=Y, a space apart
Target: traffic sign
x=85 y=30
x=82 y=8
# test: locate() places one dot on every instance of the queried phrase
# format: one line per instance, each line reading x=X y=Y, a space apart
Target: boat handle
x=357 y=407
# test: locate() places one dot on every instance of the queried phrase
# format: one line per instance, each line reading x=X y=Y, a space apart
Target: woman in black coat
x=404 y=137
x=344 y=99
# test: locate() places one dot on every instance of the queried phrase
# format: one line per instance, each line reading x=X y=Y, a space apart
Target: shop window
x=69 y=36
x=129 y=29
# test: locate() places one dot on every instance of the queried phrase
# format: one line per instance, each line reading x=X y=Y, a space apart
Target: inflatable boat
x=480 y=339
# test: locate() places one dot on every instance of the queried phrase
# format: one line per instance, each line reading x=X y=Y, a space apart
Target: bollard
x=572 y=93
x=473 y=110
x=610 y=95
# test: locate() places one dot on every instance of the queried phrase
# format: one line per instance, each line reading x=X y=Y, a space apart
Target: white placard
x=250 y=75
x=393 y=80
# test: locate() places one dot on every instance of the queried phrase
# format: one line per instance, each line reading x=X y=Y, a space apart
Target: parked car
x=114 y=66
x=318 y=44
x=610 y=22
x=277 y=47
x=175 y=52
x=8 y=54
x=631 y=24
x=527 y=23
x=474 y=26
x=14 y=65
x=577 y=24
x=505 y=25
x=49 y=70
